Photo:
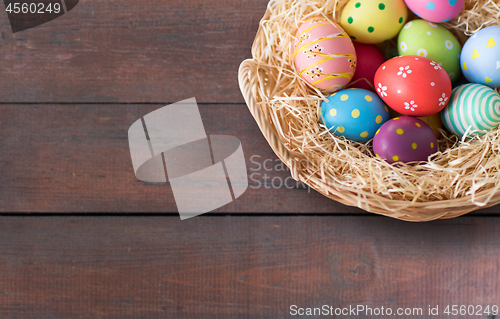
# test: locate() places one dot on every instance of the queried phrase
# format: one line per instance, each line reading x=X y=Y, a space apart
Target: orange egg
x=434 y=122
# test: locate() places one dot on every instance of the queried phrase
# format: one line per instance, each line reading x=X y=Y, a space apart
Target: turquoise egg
x=480 y=59
x=355 y=114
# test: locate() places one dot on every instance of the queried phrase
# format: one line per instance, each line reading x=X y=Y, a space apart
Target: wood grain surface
x=76 y=158
x=83 y=72
x=131 y=51
x=241 y=267
x=71 y=88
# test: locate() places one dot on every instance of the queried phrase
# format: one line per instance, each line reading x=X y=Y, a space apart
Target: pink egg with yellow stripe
x=324 y=55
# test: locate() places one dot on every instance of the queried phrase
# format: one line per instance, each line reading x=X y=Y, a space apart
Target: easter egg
x=369 y=21
x=369 y=58
x=324 y=55
x=480 y=58
x=355 y=114
x=435 y=123
x=413 y=85
x=405 y=139
x=433 y=41
x=438 y=11
x=473 y=107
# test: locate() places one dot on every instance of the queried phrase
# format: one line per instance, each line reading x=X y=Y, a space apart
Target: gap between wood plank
x=219 y=215
x=114 y=103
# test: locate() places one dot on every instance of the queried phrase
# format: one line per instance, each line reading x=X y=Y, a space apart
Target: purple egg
x=405 y=139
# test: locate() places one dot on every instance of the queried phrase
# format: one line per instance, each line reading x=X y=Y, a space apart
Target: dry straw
x=462 y=177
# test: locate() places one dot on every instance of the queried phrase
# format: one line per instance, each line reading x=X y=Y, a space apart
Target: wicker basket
x=258 y=83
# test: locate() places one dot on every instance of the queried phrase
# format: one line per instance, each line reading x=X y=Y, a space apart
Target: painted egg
x=434 y=121
x=480 y=59
x=474 y=108
x=355 y=114
x=324 y=55
x=370 y=58
x=414 y=86
x=369 y=21
x=405 y=139
x=433 y=41
x=438 y=11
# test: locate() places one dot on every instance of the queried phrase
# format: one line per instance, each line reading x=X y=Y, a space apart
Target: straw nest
x=463 y=176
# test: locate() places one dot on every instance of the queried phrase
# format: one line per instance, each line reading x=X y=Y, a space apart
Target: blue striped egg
x=472 y=106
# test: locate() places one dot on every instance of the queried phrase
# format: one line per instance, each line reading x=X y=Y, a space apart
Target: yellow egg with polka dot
x=405 y=139
x=371 y=21
x=435 y=123
x=355 y=114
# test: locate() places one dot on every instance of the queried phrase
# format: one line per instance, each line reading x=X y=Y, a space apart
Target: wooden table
x=81 y=237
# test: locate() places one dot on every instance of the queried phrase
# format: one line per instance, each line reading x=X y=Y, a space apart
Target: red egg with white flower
x=413 y=85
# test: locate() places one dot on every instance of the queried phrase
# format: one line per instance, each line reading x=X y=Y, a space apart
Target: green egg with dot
x=355 y=114
x=433 y=41
x=373 y=21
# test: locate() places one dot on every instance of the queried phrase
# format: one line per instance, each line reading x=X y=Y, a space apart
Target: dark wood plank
x=75 y=158
x=131 y=51
x=241 y=267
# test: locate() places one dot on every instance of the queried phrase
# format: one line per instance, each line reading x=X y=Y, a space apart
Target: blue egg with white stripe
x=474 y=109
